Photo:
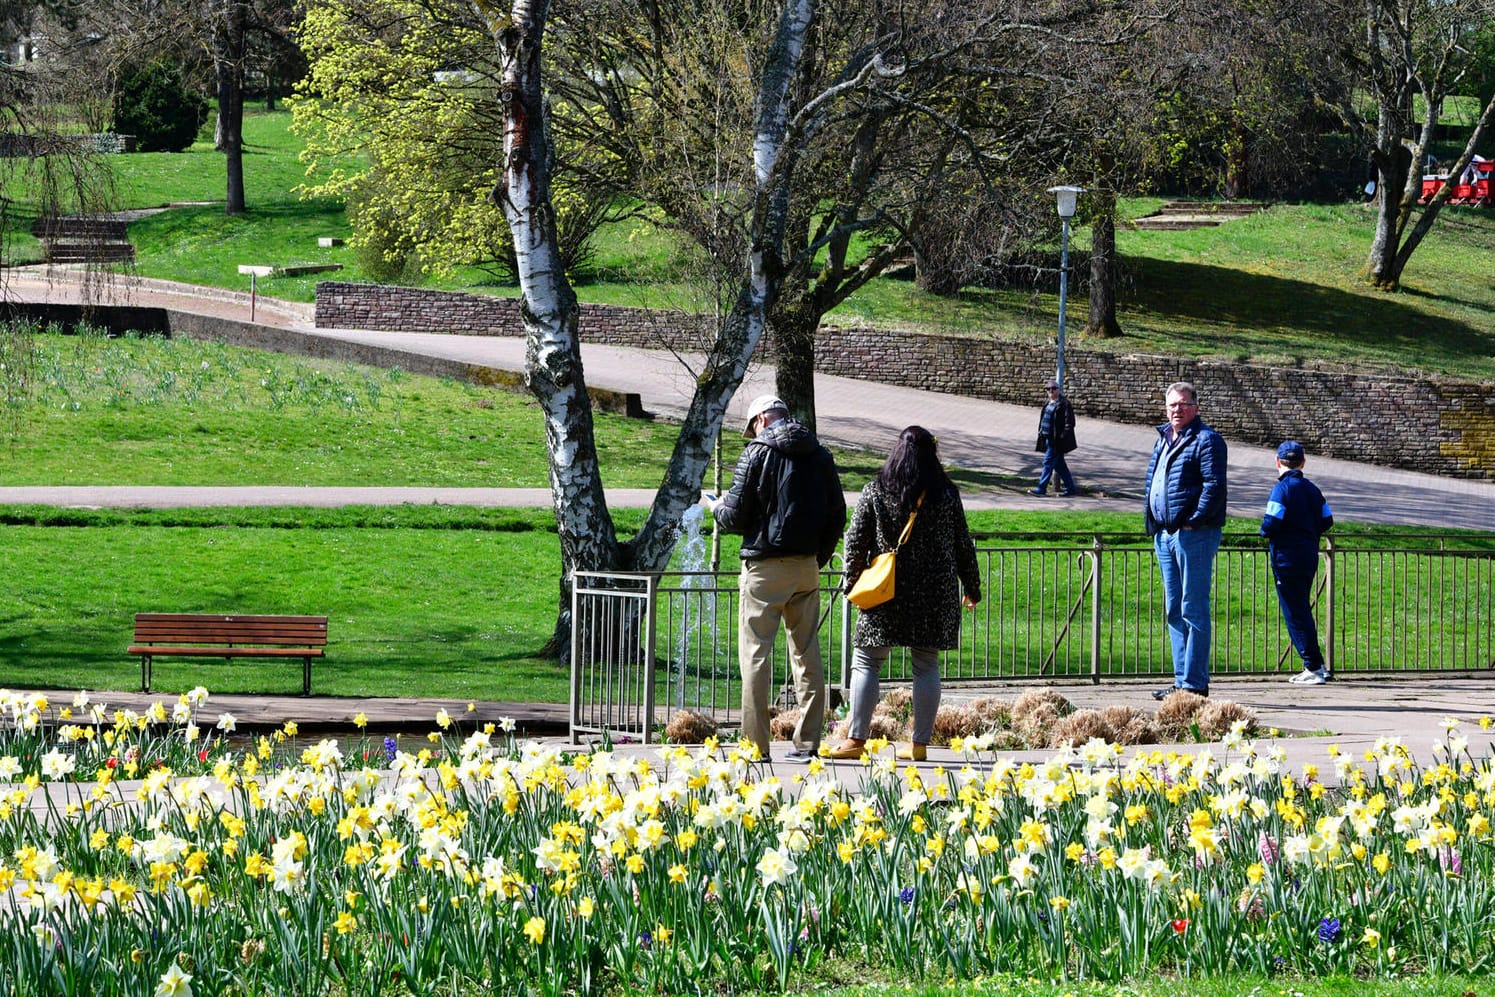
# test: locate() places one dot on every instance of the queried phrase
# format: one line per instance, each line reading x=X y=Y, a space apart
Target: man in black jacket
x=786 y=502
x=1056 y=437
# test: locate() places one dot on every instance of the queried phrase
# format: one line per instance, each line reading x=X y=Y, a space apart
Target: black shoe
x=802 y=754
x=1165 y=692
x=1070 y=493
x=1036 y=491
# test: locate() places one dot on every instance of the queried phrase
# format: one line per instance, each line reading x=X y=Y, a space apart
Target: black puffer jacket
x=786 y=496
x=937 y=563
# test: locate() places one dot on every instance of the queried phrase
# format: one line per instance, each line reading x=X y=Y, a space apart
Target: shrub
x=382 y=244
x=781 y=724
x=155 y=106
x=1176 y=712
x=1216 y=719
x=1113 y=724
x=689 y=727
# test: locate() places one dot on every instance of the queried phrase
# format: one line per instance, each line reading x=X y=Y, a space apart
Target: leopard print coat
x=933 y=567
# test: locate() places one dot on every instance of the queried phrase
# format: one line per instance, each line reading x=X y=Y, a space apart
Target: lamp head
x=1066 y=197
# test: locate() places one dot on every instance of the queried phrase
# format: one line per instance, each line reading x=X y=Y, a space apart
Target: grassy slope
x=179 y=412
x=1282 y=287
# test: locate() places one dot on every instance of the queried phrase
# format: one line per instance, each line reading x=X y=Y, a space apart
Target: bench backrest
x=53 y=227
x=213 y=630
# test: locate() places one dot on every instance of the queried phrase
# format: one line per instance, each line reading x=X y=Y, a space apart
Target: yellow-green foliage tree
x=402 y=114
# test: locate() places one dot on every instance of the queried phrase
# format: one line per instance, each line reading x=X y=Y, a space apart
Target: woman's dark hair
x=914 y=469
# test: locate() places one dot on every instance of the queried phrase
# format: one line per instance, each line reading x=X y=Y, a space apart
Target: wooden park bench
x=213 y=636
x=68 y=239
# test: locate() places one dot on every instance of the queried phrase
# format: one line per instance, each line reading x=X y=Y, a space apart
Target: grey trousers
x=866 y=662
x=772 y=589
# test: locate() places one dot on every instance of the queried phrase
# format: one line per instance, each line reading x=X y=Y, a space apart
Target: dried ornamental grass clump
x=897 y=705
x=1131 y=725
x=782 y=723
x=689 y=727
x=958 y=720
x=1216 y=719
x=1036 y=713
x=1176 y=712
x=995 y=713
x=1113 y=724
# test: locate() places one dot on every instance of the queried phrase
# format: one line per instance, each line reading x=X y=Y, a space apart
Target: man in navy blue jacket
x=1296 y=517
x=1185 y=513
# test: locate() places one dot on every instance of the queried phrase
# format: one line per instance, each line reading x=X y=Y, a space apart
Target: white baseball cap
x=761 y=404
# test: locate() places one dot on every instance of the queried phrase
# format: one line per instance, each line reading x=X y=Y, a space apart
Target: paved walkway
x=1349 y=714
x=980 y=435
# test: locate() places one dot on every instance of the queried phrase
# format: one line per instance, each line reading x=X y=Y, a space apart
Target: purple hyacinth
x=390 y=746
x=1328 y=929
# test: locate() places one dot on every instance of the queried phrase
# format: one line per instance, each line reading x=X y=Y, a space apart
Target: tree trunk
x=1380 y=264
x=1237 y=160
x=1102 y=323
x=793 y=333
x=553 y=369
x=934 y=276
x=228 y=66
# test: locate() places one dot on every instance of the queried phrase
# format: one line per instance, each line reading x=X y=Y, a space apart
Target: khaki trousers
x=773 y=589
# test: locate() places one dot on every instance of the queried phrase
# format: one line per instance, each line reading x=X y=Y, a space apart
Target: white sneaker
x=1309 y=677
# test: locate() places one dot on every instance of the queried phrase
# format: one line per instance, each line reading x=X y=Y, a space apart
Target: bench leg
x=145 y=673
x=306 y=676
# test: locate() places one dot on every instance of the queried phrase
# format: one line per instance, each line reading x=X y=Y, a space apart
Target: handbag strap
x=909 y=526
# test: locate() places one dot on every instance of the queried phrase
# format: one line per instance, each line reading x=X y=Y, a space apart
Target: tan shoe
x=913 y=753
x=848 y=749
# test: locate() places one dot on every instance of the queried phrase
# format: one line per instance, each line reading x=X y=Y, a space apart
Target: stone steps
x=89 y=252
x=1182 y=215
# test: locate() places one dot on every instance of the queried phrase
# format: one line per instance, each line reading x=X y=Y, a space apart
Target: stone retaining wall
x=1438 y=426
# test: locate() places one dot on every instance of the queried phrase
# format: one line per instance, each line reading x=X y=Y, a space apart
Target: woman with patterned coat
x=933 y=567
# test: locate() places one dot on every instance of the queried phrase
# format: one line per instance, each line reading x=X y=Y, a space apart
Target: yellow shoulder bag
x=874 y=586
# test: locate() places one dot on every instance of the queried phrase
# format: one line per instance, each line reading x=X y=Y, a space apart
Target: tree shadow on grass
x=1330 y=323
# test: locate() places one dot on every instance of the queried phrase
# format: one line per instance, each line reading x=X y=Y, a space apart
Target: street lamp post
x=1066 y=197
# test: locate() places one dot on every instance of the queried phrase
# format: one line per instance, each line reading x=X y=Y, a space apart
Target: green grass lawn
x=153 y=411
x=423 y=600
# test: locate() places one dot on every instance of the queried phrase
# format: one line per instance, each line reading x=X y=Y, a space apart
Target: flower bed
x=483 y=865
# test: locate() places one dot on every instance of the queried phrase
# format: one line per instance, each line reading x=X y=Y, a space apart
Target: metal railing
x=1054 y=608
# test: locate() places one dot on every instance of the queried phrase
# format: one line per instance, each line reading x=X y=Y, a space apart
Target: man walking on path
x=1296 y=517
x=1056 y=437
x=1185 y=514
x=786 y=502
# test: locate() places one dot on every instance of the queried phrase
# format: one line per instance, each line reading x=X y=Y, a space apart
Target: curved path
x=983 y=436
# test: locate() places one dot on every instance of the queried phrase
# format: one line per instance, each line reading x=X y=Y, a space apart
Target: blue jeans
x=1053 y=462
x=1187 y=560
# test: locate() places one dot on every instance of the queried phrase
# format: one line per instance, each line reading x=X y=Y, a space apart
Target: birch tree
x=1411 y=56
x=553 y=362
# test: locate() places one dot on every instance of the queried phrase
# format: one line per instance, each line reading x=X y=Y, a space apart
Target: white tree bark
x=553 y=363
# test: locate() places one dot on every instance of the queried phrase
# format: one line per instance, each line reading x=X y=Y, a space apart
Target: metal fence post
x=1330 y=591
x=651 y=605
x=575 y=663
x=1097 y=577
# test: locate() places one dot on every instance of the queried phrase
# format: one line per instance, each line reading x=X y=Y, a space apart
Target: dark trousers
x=1294 y=595
x=1053 y=463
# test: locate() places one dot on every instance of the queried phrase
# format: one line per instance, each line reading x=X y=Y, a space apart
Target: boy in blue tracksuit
x=1296 y=517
